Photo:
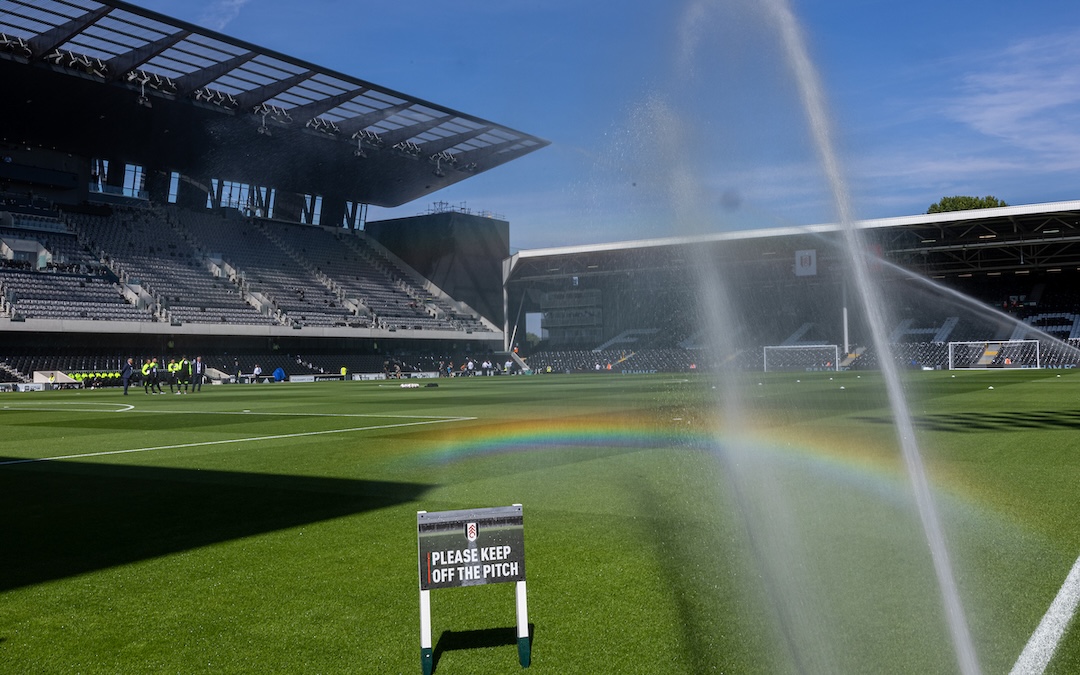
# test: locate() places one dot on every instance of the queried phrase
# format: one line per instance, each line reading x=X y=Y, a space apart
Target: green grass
x=271 y=528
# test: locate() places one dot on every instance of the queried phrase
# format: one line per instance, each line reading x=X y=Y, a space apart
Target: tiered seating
x=145 y=249
x=27 y=364
x=396 y=296
x=268 y=269
x=587 y=360
x=396 y=304
x=68 y=255
x=364 y=363
x=320 y=253
x=62 y=296
x=8 y=373
x=1061 y=354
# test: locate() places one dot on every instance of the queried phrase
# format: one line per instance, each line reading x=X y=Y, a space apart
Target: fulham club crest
x=470 y=531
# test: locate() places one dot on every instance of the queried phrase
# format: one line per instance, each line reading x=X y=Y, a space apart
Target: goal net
x=802 y=357
x=995 y=354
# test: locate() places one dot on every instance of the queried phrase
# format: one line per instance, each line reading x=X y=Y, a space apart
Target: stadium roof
x=93 y=77
x=1013 y=238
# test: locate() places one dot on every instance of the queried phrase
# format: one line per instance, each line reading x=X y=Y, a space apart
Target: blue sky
x=668 y=116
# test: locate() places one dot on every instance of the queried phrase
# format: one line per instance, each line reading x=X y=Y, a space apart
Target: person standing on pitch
x=146 y=375
x=198 y=372
x=126 y=373
x=174 y=376
x=184 y=373
x=154 y=376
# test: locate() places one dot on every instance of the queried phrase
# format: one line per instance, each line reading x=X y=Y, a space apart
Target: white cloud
x=1027 y=95
x=221 y=13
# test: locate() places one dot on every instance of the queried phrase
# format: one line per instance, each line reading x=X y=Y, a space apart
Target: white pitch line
x=124 y=408
x=295 y=414
x=25 y=407
x=274 y=437
x=1044 y=641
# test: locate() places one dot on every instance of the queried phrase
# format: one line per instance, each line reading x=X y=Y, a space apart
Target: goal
x=801 y=357
x=995 y=354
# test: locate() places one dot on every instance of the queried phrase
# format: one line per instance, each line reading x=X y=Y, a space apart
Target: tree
x=960 y=203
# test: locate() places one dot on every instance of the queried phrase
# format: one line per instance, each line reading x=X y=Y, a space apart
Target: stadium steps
x=848 y=359
x=989 y=355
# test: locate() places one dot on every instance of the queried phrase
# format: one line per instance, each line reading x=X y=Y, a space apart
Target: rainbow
x=857 y=462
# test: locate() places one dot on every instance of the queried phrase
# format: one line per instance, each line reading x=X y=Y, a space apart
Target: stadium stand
x=259 y=266
x=37 y=295
x=150 y=257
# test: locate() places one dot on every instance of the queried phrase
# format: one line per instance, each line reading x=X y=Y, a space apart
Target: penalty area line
x=274 y=437
x=1044 y=641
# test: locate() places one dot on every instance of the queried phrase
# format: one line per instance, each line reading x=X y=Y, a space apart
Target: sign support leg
x=426 y=663
x=523 y=641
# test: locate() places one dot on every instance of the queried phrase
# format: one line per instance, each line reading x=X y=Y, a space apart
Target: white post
x=425 y=633
x=427 y=665
x=524 y=644
x=843 y=302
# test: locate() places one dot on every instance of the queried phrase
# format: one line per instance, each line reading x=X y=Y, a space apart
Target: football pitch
x=272 y=528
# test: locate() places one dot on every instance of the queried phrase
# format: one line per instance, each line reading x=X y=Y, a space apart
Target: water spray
x=812 y=95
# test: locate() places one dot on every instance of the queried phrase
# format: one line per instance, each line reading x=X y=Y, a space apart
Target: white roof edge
x=896 y=221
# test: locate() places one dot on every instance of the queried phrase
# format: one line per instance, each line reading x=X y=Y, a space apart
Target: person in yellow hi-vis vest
x=174 y=374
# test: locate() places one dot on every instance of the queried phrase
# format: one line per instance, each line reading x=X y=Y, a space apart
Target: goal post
x=980 y=354
x=801 y=358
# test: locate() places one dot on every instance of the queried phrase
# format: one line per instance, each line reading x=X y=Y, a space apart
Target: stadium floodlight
x=408 y=148
x=325 y=126
x=263 y=129
x=368 y=138
x=15 y=43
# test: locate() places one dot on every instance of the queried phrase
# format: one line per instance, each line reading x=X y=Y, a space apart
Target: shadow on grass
x=453 y=640
x=68 y=518
x=997 y=421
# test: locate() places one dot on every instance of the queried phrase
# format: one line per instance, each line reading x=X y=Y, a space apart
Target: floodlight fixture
x=368 y=138
x=325 y=126
x=441 y=158
x=408 y=147
x=142 y=100
x=14 y=43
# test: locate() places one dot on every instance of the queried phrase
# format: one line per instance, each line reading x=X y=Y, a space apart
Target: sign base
x=427 y=664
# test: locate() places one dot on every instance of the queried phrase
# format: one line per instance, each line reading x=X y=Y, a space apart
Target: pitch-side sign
x=471 y=547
